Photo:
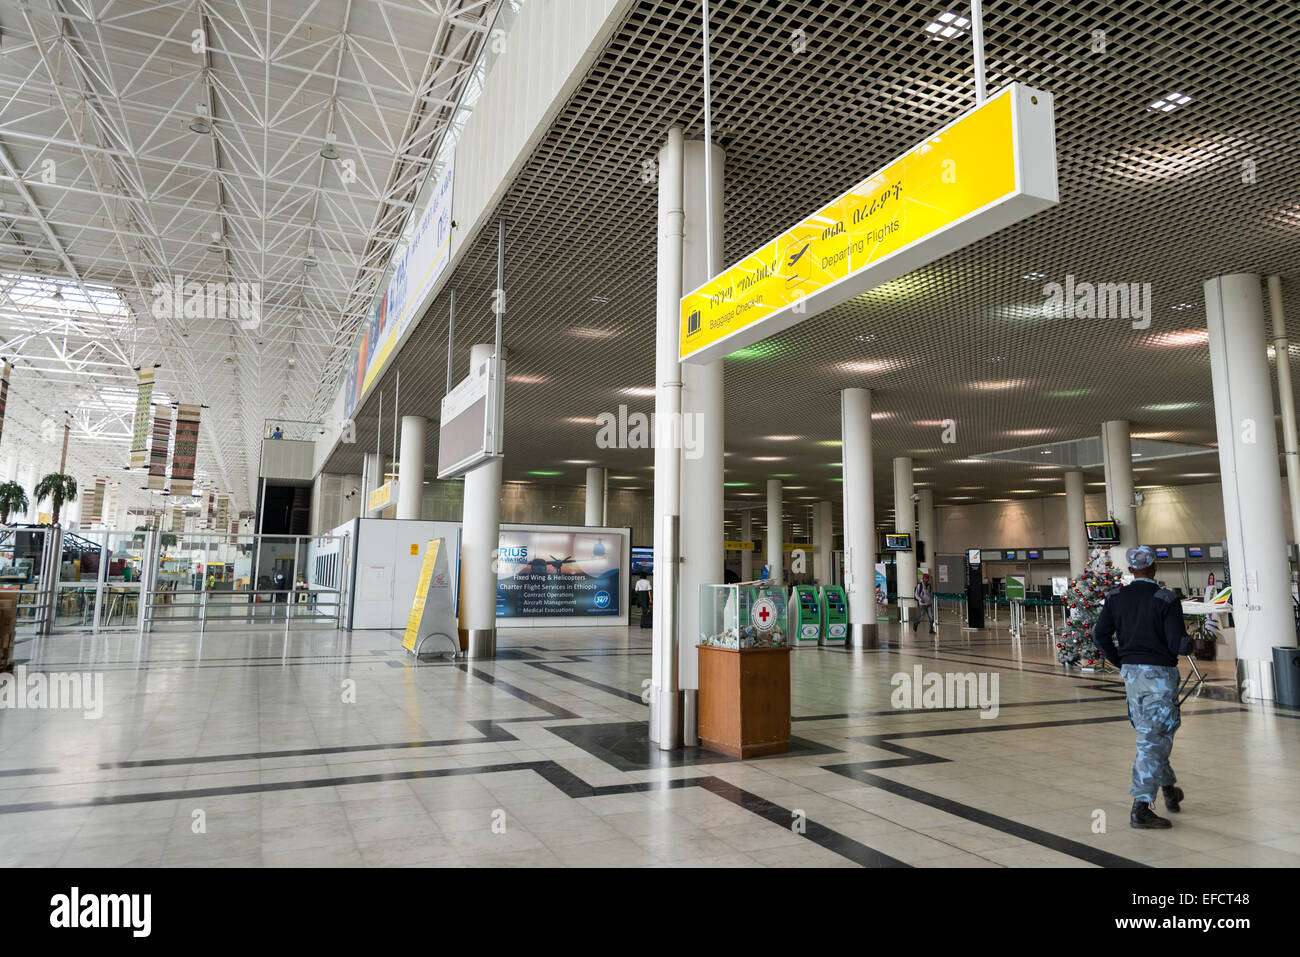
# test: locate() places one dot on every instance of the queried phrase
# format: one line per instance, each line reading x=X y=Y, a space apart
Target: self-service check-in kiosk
x=805 y=625
x=835 y=616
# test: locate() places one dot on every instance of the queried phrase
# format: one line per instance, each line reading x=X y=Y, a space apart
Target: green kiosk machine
x=835 y=616
x=805 y=626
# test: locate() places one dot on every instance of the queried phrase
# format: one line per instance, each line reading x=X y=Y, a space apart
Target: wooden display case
x=744 y=700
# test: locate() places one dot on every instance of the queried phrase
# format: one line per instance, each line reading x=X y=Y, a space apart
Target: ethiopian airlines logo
x=234 y=301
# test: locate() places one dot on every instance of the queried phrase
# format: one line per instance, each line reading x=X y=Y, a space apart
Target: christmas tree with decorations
x=1082 y=606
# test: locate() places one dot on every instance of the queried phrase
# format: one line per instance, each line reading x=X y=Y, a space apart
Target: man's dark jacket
x=1146 y=622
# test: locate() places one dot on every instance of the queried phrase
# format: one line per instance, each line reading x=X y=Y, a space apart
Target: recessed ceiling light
x=589 y=332
x=1184 y=305
x=769 y=458
x=781 y=438
x=1035 y=275
x=947 y=26
x=643 y=391
x=579 y=461
x=526 y=379
x=1169 y=102
x=601 y=299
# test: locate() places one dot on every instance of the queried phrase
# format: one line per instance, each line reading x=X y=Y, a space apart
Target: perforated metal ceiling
x=1146 y=197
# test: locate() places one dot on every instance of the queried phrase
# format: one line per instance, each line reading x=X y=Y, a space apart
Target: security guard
x=1148 y=620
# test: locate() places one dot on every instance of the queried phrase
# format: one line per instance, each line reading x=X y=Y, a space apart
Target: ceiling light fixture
x=329 y=151
x=1169 y=102
x=947 y=26
x=201 y=123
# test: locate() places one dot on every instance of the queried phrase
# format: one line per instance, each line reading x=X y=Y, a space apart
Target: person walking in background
x=1140 y=630
x=924 y=596
x=643 y=598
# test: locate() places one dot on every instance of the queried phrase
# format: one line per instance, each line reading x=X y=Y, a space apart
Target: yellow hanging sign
x=992 y=167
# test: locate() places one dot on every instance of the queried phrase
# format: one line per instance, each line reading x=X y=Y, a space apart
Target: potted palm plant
x=13 y=498
x=1204 y=637
x=60 y=489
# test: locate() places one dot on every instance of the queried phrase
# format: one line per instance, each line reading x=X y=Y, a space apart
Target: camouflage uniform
x=1152 y=692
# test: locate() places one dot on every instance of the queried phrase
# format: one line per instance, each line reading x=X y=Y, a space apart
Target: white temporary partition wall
x=386 y=559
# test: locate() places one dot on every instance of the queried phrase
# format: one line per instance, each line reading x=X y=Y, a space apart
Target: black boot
x=1173 y=798
x=1143 y=817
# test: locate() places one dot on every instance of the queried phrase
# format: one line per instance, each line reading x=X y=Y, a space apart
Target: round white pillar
x=823 y=541
x=905 y=521
x=480 y=538
x=410 y=481
x=665 y=700
x=1286 y=403
x=773 y=536
x=1117 y=452
x=1075 y=517
x=859 y=516
x=595 y=502
x=703 y=441
x=1252 y=488
x=925 y=529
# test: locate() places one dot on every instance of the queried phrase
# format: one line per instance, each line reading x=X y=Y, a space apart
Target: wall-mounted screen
x=1194 y=552
x=1162 y=552
x=1102 y=533
x=898 y=542
x=1034 y=553
x=643 y=560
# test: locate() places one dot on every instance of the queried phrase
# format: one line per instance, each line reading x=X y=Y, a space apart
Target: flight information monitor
x=898 y=542
x=1102 y=533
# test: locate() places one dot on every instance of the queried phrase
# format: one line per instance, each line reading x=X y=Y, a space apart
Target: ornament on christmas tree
x=1091 y=587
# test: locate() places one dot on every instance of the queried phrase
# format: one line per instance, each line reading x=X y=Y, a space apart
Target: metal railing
x=269 y=606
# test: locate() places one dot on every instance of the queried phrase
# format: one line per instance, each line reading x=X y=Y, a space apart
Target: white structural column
x=372 y=476
x=479 y=540
x=905 y=521
x=747 y=535
x=773 y=537
x=925 y=530
x=665 y=703
x=410 y=481
x=702 y=428
x=1075 y=516
x=595 y=497
x=1252 y=488
x=1286 y=402
x=1117 y=452
x=822 y=536
x=859 y=516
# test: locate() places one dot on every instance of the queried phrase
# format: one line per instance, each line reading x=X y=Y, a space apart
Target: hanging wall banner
x=223 y=513
x=94 y=513
x=4 y=394
x=143 y=406
x=185 y=449
x=420 y=258
x=162 y=436
x=990 y=168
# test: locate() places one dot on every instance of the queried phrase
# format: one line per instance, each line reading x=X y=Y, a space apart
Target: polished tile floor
x=321 y=748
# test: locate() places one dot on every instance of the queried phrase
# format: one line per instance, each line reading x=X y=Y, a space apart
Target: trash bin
x=1286 y=676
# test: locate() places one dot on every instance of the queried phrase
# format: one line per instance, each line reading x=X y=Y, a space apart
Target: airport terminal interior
x=649 y=433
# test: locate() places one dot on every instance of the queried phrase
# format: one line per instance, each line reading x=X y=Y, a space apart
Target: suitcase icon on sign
x=693 y=323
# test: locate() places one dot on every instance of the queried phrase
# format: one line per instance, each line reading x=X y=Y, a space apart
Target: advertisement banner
x=882 y=585
x=417 y=264
x=558 y=575
x=185 y=449
x=4 y=394
x=143 y=406
x=431 y=609
x=162 y=436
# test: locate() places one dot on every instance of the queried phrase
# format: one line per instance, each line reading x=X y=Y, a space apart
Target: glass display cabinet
x=751 y=615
